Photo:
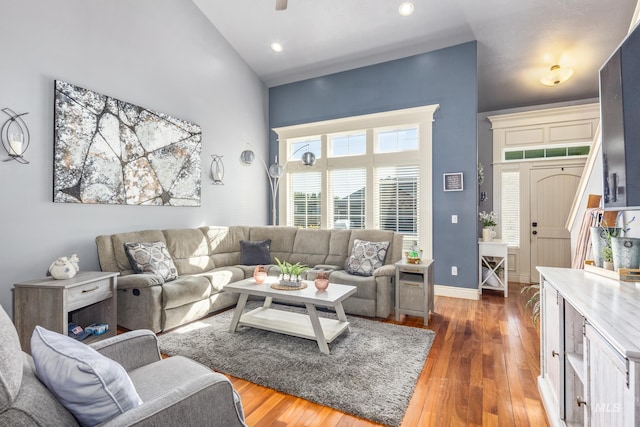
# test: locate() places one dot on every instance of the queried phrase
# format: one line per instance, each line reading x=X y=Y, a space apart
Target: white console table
x=589 y=349
x=493 y=255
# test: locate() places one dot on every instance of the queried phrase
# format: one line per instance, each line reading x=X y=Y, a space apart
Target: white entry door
x=552 y=193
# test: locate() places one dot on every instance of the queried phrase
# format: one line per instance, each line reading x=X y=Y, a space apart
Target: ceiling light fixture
x=405 y=8
x=556 y=75
x=277 y=47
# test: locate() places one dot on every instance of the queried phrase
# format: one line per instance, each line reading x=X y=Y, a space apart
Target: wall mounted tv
x=620 y=124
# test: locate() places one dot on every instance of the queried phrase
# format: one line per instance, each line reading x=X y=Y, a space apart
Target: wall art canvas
x=112 y=152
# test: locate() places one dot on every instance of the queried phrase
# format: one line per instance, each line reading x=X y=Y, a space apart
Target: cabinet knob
x=580 y=402
x=554 y=353
x=534 y=232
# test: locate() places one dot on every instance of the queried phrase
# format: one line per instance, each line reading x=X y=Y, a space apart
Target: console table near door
x=493 y=255
x=89 y=297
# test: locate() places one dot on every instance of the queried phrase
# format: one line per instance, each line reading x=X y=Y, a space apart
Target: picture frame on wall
x=453 y=181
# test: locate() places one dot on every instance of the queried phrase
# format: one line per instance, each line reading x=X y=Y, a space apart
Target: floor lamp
x=275 y=171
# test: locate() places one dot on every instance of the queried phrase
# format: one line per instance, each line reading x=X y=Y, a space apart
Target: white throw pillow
x=91 y=386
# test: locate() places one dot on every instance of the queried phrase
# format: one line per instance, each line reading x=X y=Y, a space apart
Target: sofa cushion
x=91 y=386
x=151 y=258
x=189 y=250
x=255 y=252
x=282 y=239
x=118 y=241
x=365 y=286
x=185 y=290
x=366 y=257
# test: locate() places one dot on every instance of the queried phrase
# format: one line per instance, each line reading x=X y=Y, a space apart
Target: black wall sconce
x=15 y=136
x=217 y=170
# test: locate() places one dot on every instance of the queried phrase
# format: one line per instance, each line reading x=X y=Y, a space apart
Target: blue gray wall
x=160 y=54
x=447 y=77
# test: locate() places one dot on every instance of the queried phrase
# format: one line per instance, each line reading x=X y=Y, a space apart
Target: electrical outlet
x=454 y=219
x=454 y=270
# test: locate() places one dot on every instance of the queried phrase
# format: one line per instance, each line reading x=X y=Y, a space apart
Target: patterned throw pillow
x=151 y=258
x=366 y=257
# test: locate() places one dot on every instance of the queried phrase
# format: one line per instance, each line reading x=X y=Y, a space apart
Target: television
x=620 y=124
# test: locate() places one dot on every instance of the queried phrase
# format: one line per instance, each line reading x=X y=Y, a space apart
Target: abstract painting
x=112 y=152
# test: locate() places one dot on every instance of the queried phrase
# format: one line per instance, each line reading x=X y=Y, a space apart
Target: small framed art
x=453 y=181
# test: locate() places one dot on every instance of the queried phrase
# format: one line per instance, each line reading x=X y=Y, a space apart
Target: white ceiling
x=517 y=39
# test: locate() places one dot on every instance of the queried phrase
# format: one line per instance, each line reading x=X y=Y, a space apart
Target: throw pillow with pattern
x=151 y=258
x=366 y=257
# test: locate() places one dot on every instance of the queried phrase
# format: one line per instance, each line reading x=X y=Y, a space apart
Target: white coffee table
x=308 y=326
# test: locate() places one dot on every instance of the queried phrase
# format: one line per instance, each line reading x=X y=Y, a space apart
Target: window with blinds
x=397 y=200
x=347 y=197
x=306 y=199
x=509 y=219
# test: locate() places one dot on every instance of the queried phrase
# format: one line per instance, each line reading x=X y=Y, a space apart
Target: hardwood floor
x=481 y=371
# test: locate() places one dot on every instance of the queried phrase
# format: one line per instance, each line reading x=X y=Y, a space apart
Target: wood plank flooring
x=481 y=371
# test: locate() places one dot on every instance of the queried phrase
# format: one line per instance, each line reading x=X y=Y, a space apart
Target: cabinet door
x=551 y=354
x=608 y=384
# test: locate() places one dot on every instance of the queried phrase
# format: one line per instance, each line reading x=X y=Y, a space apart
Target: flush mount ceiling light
x=556 y=75
x=405 y=8
x=277 y=47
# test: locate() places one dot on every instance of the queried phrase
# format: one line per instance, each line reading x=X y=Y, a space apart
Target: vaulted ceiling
x=517 y=40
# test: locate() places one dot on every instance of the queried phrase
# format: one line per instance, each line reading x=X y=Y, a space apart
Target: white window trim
x=422 y=116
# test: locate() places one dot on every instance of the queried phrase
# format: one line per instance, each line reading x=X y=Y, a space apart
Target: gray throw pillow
x=151 y=258
x=366 y=257
x=255 y=252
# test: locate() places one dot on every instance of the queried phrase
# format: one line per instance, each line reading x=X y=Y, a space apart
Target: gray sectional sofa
x=208 y=258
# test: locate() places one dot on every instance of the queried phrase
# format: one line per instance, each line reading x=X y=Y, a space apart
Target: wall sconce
x=217 y=170
x=275 y=171
x=15 y=136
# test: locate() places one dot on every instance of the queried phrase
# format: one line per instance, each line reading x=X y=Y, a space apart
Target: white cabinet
x=589 y=349
x=493 y=266
x=550 y=345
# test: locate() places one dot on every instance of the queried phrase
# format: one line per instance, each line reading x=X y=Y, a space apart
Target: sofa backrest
x=111 y=252
x=196 y=250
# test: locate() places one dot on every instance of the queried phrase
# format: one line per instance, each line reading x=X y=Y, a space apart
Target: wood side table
x=89 y=297
x=414 y=289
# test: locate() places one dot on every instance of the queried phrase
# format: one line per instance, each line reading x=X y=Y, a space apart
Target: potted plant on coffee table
x=290 y=272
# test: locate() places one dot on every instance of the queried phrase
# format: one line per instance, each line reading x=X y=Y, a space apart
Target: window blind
x=397 y=195
x=305 y=209
x=347 y=195
x=509 y=218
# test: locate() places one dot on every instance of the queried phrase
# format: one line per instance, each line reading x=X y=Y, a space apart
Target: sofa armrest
x=143 y=280
x=131 y=349
x=385 y=270
x=204 y=400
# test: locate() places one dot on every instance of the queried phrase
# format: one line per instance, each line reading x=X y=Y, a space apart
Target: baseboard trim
x=455 y=292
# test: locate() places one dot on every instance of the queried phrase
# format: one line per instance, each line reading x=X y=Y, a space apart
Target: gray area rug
x=371 y=371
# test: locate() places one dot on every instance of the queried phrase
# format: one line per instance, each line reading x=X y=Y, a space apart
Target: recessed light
x=277 y=47
x=405 y=8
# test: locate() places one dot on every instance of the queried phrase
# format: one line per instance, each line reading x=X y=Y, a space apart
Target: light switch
x=454 y=219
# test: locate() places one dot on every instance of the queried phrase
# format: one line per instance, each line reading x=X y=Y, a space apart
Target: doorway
x=552 y=191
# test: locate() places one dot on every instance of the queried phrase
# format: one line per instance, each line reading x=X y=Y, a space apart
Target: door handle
x=534 y=232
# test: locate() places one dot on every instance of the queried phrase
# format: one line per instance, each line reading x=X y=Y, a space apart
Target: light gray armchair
x=174 y=391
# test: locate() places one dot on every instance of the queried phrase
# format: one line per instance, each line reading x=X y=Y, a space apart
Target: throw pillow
x=91 y=386
x=151 y=258
x=366 y=257
x=255 y=252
